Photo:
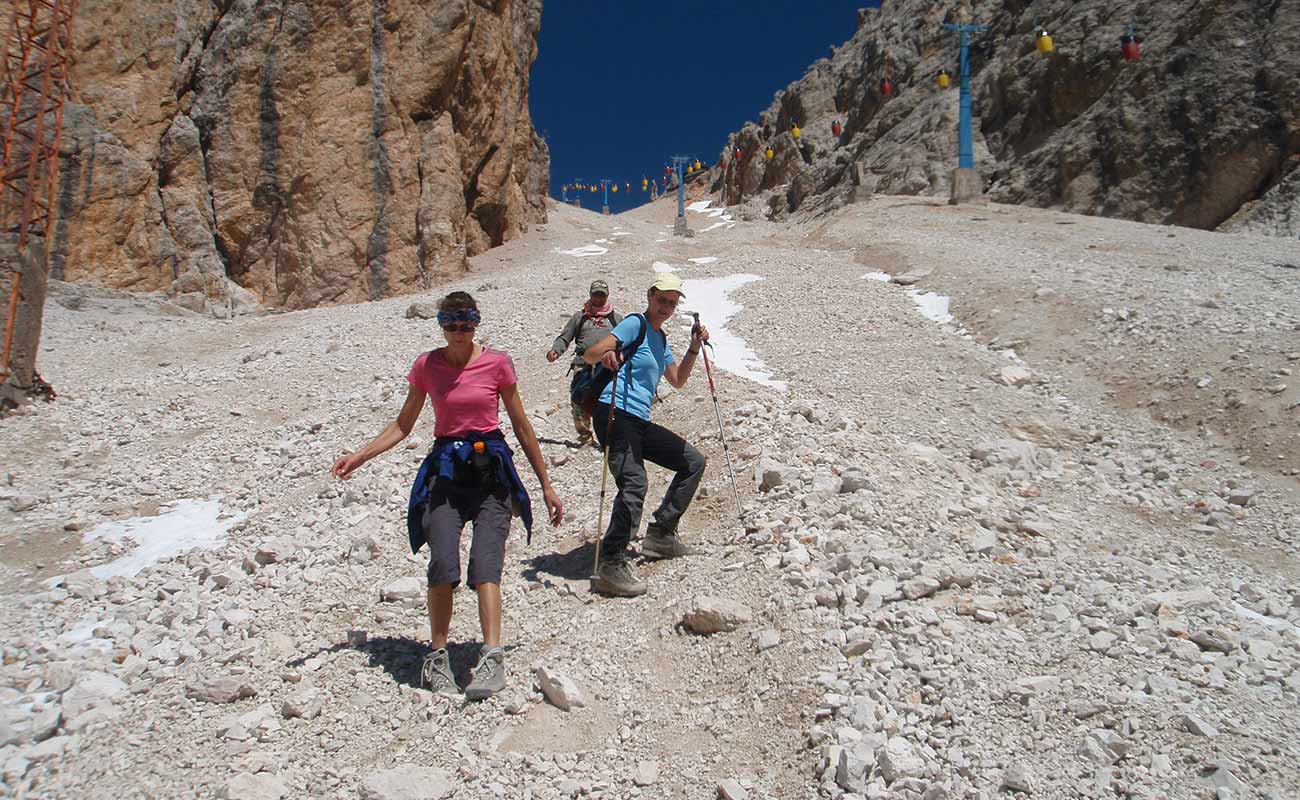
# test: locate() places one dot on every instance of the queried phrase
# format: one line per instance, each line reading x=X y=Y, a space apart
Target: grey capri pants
x=450 y=506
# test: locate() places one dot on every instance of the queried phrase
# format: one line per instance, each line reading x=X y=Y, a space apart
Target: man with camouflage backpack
x=585 y=328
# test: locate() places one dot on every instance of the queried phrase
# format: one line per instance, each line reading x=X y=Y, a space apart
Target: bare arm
x=528 y=440
x=677 y=374
x=396 y=431
x=596 y=353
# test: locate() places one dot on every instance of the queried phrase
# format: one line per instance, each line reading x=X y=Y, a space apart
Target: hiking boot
x=617 y=578
x=489 y=675
x=658 y=544
x=436 y=675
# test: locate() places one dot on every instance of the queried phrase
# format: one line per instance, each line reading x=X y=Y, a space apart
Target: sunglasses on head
x=468 y=318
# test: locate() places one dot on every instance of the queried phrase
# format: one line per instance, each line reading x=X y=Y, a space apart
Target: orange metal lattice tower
x=37 y=50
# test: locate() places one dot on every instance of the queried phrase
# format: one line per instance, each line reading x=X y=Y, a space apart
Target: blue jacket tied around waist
x=445 y=454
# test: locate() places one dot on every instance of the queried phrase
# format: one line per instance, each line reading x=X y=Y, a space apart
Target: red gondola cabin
x=1130 y=47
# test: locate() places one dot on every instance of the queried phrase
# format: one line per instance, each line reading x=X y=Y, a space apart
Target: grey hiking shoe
x=435 y=674
x=617 y=578
x=489 y=675
x=656 y=547
x=658 y=544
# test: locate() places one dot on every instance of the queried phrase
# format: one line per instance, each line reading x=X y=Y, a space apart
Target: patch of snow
x=188 y=525
x=620 y=233
x=883 y=277
x=584 y=251
x=602 y=241
x=711 y=298
x=1262 y=619
x=42 y=699
x=932 y=306
x=703 y=260
x=660 y=266
x=82 y=635
x=706 y=207
x=711 y=227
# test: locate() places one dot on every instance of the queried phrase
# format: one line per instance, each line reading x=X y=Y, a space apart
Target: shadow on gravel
x=574 y=565
x=401 y=657
x=569 y=443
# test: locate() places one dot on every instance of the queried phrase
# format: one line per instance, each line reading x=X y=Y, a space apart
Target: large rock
x=1276 y=213
x=407 y=782
x=90 y=691
x=85 y=585
x=899 y=759
x=1018 y=778
x=853 y=768
x=293 y=154
x=274 y=551
x=245 y=786
x=1011 y=452
x=15 y=726
x=1171 y=139
x=716 y=615
x=220 y=690
x=422 y=311
x=305 y=703
x=408 y=590
x=559 y=689
x=730 y=789
x=1014 y=375
x=770 y=473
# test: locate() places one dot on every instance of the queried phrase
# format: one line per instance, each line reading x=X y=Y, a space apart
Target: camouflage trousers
x=581 y=422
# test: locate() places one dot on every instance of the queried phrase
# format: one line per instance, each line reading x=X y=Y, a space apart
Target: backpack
x=577 y=333
x=586 y=393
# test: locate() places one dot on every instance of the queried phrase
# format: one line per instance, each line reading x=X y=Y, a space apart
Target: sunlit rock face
x=1205 y=126
x=290 y=154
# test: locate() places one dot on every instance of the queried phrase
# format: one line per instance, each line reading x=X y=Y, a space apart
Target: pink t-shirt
x=464 y=398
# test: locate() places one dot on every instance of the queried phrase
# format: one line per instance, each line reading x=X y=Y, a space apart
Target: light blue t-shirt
x=648 y=364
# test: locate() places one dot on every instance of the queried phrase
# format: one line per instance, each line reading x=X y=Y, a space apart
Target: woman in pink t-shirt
x=468 y=476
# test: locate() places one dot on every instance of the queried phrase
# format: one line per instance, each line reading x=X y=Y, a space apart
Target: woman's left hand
x=344 y=467
x=699 y=336
x=554 y=508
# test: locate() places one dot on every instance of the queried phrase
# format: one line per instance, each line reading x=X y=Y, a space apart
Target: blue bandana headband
x=464 y=315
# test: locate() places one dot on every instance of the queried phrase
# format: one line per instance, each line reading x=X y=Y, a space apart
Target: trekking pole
x=604 y=473
x=717 y=410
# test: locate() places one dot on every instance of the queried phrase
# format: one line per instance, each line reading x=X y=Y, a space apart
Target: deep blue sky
x=618 y=87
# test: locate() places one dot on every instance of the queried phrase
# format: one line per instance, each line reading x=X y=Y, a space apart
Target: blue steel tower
x=966 y=185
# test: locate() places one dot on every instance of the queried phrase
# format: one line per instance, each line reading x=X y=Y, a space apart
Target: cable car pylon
x=966 y=184
x=604 y=184
x=679 y=224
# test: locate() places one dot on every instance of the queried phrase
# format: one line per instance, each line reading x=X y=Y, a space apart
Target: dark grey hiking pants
x=633 y=442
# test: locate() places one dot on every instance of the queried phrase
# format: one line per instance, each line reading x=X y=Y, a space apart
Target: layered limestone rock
x=1205 y=125
x=1277 y=213
x=236 y=152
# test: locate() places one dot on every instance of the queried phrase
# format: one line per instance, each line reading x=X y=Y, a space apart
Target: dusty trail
x=914 y=589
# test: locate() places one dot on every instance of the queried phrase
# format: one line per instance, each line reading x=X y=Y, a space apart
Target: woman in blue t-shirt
x=632 y=438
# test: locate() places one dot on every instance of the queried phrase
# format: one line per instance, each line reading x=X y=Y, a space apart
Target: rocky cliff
x=296 y=153
x=1203 y=129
